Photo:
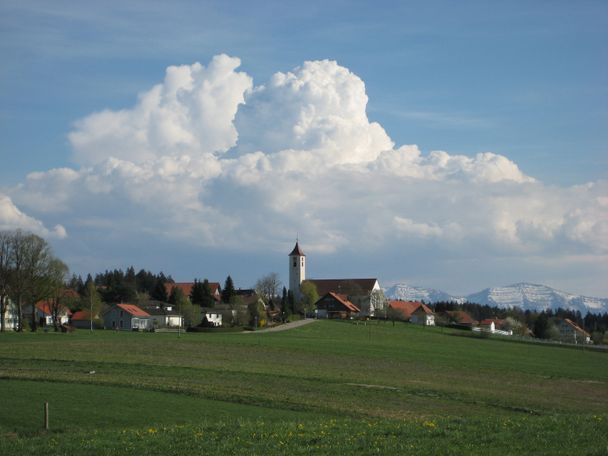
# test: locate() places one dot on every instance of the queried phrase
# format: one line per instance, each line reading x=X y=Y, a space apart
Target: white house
x=423 y=315
x=127 y=317
x=163 y=316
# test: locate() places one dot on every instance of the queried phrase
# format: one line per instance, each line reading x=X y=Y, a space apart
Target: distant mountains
x=527 y=296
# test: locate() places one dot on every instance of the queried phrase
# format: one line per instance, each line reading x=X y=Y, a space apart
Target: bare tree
x=268 y=287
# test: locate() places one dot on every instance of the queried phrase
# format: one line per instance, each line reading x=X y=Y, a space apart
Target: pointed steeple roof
x=297 y=251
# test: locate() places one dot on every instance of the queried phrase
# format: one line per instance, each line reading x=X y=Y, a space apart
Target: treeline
x=590 y=322
x=124 y=286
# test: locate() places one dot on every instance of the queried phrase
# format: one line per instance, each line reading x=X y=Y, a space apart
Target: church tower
x=297 y=270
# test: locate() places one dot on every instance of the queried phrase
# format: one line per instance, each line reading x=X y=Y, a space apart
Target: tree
x=56 y=290
x=309 y=297
x=291 y=303
x=257 y=314
x=228 y=292
x=29 y=260
x=268 y=287
x=284 y=308
x=207 y=298
x=5 y=254
x=159 y=292
x=91 y=300
x=196 y=293
x=184 y=306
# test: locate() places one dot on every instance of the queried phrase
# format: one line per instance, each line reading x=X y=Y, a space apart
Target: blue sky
x=524 y=80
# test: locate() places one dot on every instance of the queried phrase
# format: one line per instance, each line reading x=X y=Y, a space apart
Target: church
x=365 y=293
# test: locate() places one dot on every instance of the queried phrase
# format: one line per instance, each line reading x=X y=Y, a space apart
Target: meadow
x=325 y=388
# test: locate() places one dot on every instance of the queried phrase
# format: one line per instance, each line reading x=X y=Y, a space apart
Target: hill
x=326 y=388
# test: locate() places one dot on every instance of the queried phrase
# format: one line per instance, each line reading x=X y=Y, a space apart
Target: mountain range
x=527 y=296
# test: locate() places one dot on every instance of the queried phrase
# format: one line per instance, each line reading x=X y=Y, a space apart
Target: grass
x=364 y=384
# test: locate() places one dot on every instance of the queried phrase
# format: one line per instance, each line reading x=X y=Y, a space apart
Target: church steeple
x=297 y=269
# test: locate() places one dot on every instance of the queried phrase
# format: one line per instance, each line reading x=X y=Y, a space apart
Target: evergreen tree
x=207 y=297
x=228 y=291
x=160 y=291
x=291 y=302
x=197 y=293
x=284 y=300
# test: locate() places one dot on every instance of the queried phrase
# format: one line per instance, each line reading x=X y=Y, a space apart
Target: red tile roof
x=341 y=299
x=407 y=308
x=133 y=310
x=45 y=308
x=81 y=315
x=186 y=288
x=351 y=287
x=425 y=309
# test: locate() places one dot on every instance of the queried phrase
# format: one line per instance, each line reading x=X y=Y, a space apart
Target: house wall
x=117 y=318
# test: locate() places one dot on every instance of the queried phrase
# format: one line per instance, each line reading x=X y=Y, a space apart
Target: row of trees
x=29 y=272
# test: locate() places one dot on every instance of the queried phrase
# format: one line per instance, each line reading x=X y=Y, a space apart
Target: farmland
x=329 y=387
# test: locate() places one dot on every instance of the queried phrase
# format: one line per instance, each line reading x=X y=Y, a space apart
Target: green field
x=326 y=388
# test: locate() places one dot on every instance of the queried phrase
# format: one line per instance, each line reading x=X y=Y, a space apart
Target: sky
x=456 y=146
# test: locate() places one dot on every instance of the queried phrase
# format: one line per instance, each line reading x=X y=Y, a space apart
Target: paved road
x=285 y=327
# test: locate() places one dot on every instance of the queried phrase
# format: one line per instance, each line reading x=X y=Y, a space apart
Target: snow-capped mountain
x=524 y=295
x=408 y=293
x=537 y=297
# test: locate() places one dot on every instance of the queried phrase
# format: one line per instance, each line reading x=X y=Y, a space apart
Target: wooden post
x=46 y=416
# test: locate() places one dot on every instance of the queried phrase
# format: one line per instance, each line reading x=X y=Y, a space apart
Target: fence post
x=46 y=416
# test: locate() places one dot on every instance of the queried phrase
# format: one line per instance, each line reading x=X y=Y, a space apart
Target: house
x=572 y=333
x=334 y=305
x=81 y=319
x=365 y=294
x=413 y=311
x=423 y=315
x=458 y=318
x=45 y=310
x=186 y=288
x=163 y=315
x=403 y=310
x=213 y=316
x=127 y=317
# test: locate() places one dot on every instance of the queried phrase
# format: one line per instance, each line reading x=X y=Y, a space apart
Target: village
x=208 y=306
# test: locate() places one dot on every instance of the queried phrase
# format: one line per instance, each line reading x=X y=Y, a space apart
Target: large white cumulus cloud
x=209 y=158
x=192 y=111
x=319 y=108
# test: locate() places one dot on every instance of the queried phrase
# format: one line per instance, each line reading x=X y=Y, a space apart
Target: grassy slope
x=401 y=377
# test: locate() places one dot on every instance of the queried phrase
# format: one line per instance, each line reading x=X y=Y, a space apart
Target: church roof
x=297 y=251
x=351 y=287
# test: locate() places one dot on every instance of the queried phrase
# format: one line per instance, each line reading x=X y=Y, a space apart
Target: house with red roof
x=365 y=294
x=335 y=305
x=127 y=317
x=81 y=319
x=413 y=311
x=45 y=313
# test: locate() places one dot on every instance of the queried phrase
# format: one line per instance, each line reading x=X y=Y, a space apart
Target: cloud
x=11 y=218
x=206 y=158
x=192 y=111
